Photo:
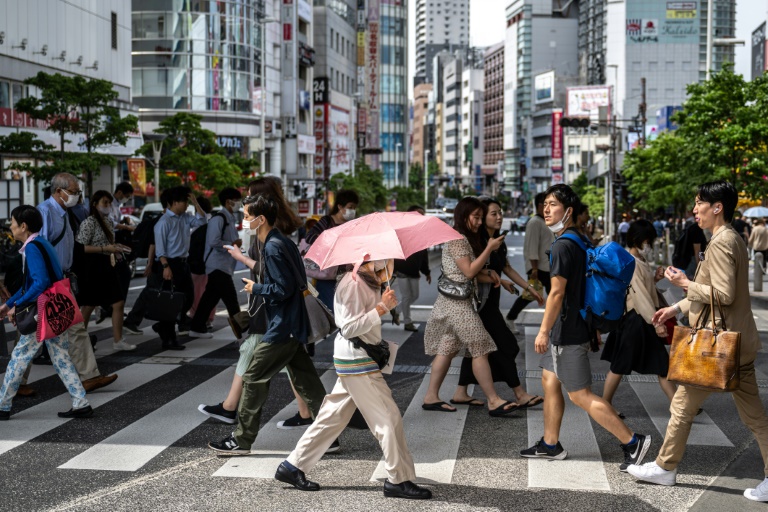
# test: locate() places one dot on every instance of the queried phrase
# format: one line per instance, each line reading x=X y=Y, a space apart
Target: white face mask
x=379 y=265
x=104 y=210
x=124 y=200
x=558 y=227
x=250 y=230
x=647 y=252
x=71 y=200
x=349 y=214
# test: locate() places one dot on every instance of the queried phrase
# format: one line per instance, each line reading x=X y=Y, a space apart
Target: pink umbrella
x=379 y=236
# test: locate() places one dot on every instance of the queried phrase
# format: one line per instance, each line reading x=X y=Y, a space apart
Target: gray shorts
x=571 y=365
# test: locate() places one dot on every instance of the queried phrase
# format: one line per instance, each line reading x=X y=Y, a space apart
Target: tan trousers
x=373 y=397
x=686 y=404
x=81 y=352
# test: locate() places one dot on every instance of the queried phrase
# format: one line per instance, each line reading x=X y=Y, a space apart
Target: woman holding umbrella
x=358 y=308
x=454 y=324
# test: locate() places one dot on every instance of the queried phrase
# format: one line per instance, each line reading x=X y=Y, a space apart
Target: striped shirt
x=352 y=367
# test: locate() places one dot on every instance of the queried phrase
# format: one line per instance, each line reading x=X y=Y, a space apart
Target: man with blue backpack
x=585 y=283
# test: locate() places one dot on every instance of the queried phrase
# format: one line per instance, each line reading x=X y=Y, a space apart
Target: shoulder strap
x=48 y=265
x=61 y=236
x=575 y=238
x=223 y=227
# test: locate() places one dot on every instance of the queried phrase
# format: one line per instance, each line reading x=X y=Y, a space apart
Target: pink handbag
x=57 y=311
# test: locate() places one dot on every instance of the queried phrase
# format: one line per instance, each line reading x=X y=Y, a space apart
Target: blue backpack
x=609 y=273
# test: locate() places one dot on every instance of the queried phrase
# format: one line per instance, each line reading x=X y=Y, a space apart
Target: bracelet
x=530 y=286
x=677 y=308
x=382 y=306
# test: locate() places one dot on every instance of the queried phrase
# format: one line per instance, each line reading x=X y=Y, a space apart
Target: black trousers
x=521 y=303
x=182 y=281
x=219 y=287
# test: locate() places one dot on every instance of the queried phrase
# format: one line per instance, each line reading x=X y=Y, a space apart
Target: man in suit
x=724 y=269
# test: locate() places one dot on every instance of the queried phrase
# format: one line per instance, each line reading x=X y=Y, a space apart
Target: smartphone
x=229 y=247
x=504 y=233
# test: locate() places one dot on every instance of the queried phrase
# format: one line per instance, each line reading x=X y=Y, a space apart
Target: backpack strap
x=223 y=228
x=48 y=265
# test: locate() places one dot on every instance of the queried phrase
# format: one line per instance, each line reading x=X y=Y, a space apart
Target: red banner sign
x=557 y=141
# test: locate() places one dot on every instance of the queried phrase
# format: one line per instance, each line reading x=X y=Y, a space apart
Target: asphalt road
x=145 y=447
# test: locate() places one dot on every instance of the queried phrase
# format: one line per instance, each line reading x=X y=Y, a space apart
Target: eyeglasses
x=75 y=193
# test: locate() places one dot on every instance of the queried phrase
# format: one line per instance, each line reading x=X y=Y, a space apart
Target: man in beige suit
x=724 y=267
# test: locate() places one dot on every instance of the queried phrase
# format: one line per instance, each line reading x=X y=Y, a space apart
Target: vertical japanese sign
x=319 y=131
x=372 y=78
x=137 y=172
x=338 y=139
x=557 y=140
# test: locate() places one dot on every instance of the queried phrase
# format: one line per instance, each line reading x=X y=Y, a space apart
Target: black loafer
x=295 y=478
x=173 y=345
x=83 y=412
x=407 y=489
x=5 y=415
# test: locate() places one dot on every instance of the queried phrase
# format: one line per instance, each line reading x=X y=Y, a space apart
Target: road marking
x=35 y=421
x=704 y=432
x=141 y=441
x=272 y=445
x=433 y=437
x=583 y=469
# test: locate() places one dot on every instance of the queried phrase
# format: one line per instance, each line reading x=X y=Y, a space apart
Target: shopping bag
x=57 y=310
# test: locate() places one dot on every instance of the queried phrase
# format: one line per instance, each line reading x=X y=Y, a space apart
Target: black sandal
x=501 y=412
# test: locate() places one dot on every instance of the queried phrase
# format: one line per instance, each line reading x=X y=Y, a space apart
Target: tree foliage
x=369 y=185
x=722 y=134
x=591 y=195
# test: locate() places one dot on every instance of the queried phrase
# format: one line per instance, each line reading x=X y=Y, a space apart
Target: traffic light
x=575 y=122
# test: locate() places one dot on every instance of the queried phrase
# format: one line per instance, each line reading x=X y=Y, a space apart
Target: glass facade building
x=393 y=92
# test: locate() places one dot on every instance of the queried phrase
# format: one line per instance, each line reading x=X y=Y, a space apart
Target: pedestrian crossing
x=436 y=440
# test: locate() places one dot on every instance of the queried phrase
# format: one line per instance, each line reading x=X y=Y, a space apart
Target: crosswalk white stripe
x=583 y=469
x=704 y=432
x=37 y=420
x=141 y=441
x=433 y=437
x=272 y=445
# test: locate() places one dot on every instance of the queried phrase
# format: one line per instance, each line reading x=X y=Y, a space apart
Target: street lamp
x=609 y=199
x=157 y=140
x=263 y=24
x=397 y=161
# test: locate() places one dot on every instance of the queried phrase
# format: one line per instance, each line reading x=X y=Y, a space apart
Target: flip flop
x=533 y=402
x=437 y=406
x=501 y=412
x=474 y=402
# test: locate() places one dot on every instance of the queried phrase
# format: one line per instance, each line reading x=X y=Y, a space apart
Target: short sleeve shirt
x=570 y=262
x=456 y=250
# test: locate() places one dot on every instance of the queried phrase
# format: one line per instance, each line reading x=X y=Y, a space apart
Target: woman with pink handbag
x=38 y=256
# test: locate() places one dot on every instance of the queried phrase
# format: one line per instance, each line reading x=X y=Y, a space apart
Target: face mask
x=71 y=200
x=237 y=205
x=349 y=214
x=124 y=200
x=647 y=252
x=104 y=210
x=379 y=265
x=556 y=228
x=250 y=230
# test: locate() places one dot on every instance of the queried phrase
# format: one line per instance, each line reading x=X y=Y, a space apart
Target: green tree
x=78 y=106
x=591 y=195
x=215 y=172
x=369 y=185
x=27 y=144
x=722 y=133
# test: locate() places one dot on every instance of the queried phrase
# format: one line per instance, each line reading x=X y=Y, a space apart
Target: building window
x=114 y=31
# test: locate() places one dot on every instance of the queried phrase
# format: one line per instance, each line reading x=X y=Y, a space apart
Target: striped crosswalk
x=436 y=440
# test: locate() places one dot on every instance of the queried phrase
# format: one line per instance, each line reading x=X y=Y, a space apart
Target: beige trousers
x=81 y=352
x=686 y=404
x=373 y=397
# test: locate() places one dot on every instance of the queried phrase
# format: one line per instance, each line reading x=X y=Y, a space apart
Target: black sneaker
x=633 y=454
x=5 y=415
x=219 y=412
x=83 y=412
x=228 y=447
x=132 y=329
x=295 y=421
x=541 y=451
x=335 y=447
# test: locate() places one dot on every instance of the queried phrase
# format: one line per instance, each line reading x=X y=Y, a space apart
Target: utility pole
x=642 y=108
x=612 y=178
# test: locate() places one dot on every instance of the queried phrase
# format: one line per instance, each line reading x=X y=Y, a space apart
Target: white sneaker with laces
x=122 y=345
x=759 y=493
x=651 y=472
x=196 y=334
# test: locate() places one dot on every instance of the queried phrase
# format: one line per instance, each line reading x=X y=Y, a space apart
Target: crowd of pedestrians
x=195 y=253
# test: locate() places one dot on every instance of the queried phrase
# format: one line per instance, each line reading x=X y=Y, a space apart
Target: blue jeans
x=58 y=349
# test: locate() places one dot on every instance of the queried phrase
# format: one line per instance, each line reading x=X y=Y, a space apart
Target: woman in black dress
x=638 y=346
x=502 y=362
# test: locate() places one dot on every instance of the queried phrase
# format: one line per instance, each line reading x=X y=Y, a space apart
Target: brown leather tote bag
x=706 y=358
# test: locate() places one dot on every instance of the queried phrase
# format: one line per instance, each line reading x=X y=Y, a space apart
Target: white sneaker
x=122 y=345
x=651 y=472
x=759 y=493
x=514 y=328
x=196 y=334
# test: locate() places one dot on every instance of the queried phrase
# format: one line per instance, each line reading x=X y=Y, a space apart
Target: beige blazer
x=758 y=240
x=725 y=268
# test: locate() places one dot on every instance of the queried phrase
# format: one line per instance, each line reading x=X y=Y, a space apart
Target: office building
x=472 y=112
x=493 y=112
x=440 y=26
x=421 y=128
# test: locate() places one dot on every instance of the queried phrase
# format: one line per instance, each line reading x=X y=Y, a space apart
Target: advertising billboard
x=585 y=101
x=758 y=52
x=652 y=22
x=557 y=140
x=544 y=88
x=339 y=131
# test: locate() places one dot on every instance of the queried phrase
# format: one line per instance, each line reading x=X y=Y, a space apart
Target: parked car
x=521 y=221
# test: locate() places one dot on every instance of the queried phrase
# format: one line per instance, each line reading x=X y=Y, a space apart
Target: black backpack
x=197 y=246
x=143 y=236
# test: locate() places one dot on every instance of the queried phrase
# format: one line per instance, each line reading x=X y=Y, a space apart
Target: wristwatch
x=165 y=265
